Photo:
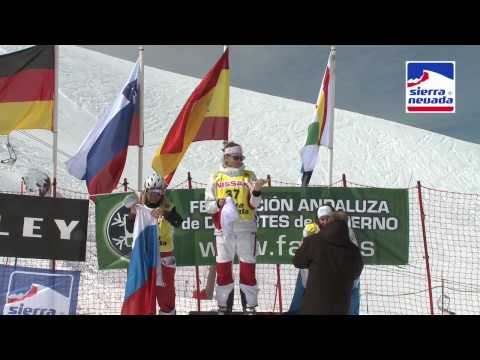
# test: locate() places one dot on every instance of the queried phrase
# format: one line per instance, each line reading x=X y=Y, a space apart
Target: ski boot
x=227 y=309
x=247 y=310
x=223 y=310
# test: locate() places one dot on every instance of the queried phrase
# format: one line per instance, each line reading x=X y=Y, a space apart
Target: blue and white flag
x=100 y=160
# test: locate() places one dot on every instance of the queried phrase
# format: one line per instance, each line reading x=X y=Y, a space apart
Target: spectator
x=334 y=263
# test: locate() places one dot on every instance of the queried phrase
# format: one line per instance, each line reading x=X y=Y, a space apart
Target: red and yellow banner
x=203 y=117
x=27 y=89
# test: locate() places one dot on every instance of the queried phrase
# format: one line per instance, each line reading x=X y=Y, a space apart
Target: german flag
x=203 y=117
x=27 y=88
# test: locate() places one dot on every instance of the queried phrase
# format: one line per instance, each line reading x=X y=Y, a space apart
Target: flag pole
x=140 y=130
x=212 y=271
x=55 y=121
x=225 y=48
x=333 y=54
x=55 y=132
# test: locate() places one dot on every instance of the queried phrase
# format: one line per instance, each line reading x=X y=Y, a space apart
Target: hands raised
x=156 y=213
x=130 y=201
x=220 y=202
x=257 y=185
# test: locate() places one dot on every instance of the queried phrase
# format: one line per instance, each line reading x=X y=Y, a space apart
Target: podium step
x=232 y=313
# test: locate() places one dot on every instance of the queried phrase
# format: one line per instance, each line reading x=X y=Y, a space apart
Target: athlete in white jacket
x=235 y=227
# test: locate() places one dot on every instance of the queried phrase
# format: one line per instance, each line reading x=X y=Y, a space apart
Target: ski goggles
x=156 y=191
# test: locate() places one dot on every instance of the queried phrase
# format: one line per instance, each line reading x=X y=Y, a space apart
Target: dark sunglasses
x=235 y=157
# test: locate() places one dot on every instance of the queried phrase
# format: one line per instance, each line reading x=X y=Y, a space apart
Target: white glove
x=130 y=200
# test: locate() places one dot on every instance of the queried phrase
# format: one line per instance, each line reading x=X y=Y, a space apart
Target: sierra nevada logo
x=119 y=238
x=430 y=87
x=36 y=293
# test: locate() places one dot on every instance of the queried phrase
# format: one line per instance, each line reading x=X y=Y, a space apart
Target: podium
x=263 y=313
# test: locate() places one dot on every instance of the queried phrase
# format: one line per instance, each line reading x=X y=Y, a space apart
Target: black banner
x=43 y=228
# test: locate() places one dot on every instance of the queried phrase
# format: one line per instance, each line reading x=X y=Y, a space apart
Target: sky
x=370 y=78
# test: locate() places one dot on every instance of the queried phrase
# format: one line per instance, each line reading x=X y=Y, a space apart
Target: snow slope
x=368 y=150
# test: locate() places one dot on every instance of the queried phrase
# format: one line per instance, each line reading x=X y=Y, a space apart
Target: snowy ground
x=370 y=151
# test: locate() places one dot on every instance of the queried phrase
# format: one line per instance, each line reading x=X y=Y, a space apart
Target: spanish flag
x=27 y=88
x=203 y=117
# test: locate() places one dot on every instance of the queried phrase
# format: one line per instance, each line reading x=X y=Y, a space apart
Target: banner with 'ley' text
x=43 y=228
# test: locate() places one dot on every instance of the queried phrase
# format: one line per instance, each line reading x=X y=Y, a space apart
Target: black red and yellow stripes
x=27 y=89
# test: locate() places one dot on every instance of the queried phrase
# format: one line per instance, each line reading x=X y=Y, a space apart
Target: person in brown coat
x=334 y=262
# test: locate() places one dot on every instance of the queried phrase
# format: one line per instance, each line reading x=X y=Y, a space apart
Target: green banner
x=379 y=218
x=114 y=242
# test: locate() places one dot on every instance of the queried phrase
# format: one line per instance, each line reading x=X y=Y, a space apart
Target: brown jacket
x=333 y=263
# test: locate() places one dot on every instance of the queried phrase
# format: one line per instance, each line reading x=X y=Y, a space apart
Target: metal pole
x=443 y=306
x=279 y=287
x=333 y=53
x=55 y=130
x=140 y=130
x=279 y=281
x=424 y=234
x=55 y=114
x=197 y=270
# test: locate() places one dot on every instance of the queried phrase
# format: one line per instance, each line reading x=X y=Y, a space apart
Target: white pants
x=245 y=246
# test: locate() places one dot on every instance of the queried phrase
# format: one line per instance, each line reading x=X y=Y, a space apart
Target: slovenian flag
x=144 y=271
x=101 y=157
x=203 y=117
x=320 y=131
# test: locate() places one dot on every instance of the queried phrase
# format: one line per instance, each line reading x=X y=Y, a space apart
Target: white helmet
x=154 y=182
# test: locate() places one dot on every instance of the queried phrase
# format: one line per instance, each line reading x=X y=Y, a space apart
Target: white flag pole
x=141 y=137
x=212 y=272
x=55 y=132
x=55 y=120
x=333 y=70
x=225 y=47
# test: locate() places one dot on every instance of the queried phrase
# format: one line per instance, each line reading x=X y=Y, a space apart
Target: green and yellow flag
x=320 y=131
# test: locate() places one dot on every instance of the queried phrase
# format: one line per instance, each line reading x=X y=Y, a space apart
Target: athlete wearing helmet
x=232 y=196
x=154 y=197
x=154 y=182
